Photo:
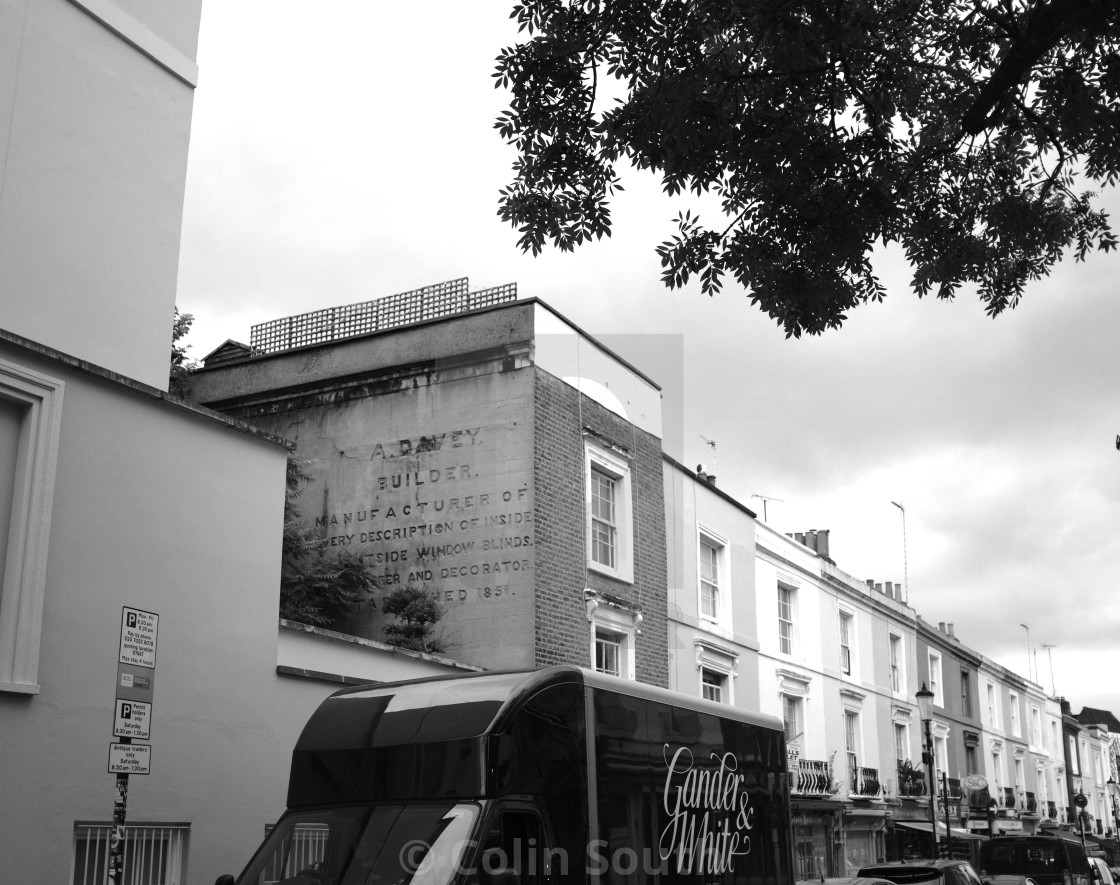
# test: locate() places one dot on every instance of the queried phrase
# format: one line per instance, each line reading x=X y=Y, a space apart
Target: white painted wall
x=95 y=113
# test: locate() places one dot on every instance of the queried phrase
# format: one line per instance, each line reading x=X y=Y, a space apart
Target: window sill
x=19 y=688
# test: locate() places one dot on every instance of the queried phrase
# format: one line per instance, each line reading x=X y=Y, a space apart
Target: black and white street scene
x=559 y=442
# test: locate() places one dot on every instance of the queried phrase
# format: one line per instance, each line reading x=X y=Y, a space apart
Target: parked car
x=1101 y=873
x=1049 y=860
x=844 y=880
x=925 y=872
x=1007 y=880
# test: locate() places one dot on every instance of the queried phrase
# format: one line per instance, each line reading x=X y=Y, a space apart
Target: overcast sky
x=345 y=150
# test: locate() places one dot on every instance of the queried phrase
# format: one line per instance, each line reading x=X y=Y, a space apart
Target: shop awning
x=955 y=832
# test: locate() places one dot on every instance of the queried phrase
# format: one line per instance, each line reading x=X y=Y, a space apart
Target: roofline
x=719 y=492
x=138 y=387
x=508 y=305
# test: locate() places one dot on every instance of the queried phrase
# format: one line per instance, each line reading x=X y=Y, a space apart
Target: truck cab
x=535 y=778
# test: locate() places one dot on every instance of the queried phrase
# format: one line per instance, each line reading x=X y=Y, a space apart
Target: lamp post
x=1113 y=792
x=925 y=711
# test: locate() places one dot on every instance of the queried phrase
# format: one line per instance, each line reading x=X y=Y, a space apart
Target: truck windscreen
x=401 y=844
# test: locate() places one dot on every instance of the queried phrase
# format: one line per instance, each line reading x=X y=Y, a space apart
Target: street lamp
x=925 y=711
x=1114 y=792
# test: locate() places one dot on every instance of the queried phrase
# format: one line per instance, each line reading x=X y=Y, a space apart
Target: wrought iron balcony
x=865 y=783
x=1030 y=803
x=979 y=800
x=814 y=778
x=1009 y=798
x=1051 y=810
x=953 y=785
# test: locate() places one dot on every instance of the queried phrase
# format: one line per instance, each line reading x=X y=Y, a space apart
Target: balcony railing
x=1070 y=815
x=865 y=783
x=814 y=778
x=1030 y=804
x=1051 y=810
x=979 y=800
x=954 y=788
x=1008 y=798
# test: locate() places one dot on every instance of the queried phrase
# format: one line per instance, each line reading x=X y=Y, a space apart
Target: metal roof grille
x=335 y=323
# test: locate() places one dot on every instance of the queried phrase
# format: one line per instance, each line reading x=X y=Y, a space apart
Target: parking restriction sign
x=132 y=720
x=138 y=637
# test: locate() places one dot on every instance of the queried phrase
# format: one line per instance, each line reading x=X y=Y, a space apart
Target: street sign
x=135 y=683
x=130 y=759
x=138 y=637
x=132 y=720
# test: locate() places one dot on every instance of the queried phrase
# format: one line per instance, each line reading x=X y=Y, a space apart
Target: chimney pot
x=951 y=631
x=941 y=626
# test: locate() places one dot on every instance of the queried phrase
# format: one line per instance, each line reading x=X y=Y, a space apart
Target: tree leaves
x=315 y=587
x=956 y=128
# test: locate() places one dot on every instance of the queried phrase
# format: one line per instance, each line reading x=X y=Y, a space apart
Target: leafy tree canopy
x=417 y=611
x=181 y=366
x=316 y=587
x=962 y=130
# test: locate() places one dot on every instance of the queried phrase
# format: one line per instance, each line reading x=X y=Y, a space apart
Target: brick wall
x=561 y=414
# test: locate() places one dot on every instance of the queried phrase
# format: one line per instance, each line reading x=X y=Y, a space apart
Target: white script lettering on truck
x=710 y=815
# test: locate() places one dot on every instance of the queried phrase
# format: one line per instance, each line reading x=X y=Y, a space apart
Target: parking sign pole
x=116 y=838
x=135 y=683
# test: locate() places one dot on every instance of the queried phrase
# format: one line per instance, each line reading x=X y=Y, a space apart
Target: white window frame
x=847 y=639
x=901 y=741
x=720 y=545
x=936 y=679
x=790 y=593
x=897 y=652
x=613 y=648
x=1036 y=727
x=993 y=706
x=719 y=661
x=1016 y=728
x=941 y=753
x=624 y=623
x=717 y=680
x=613 y=465
x=853 y=741
x=797 y=705
x=23 y=583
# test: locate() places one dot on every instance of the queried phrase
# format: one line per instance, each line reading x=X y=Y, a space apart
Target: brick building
x=482 y=447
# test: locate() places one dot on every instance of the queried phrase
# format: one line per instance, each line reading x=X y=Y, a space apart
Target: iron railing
x=814 y=778
x=865 y=782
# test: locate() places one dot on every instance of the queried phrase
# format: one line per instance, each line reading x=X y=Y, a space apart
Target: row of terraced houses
x=640 y=566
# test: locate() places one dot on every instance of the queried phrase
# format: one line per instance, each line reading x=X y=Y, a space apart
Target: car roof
x=901 y=872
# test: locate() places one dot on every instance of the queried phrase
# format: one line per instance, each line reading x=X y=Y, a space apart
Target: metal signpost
x=136 y=671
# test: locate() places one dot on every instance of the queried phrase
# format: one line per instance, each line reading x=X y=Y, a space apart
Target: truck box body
x=552 y=776
x=1049 y=860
